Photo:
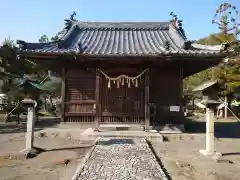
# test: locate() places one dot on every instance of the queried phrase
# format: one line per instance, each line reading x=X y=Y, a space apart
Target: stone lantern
x=32 y=90
x=211 y=102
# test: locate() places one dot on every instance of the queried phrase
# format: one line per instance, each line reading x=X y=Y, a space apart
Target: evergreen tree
x=227 y=74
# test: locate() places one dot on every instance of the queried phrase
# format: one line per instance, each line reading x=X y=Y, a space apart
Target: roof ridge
x=121 y=25
x=130 y=21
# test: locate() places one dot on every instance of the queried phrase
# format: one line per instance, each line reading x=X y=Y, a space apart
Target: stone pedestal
x=210 y=144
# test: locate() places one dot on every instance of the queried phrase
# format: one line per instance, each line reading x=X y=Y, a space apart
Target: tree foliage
x=12 y=72
x=227 y=74
x=192 y=81
x=53 y=83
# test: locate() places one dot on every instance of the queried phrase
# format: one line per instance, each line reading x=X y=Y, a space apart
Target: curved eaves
x=207 y=47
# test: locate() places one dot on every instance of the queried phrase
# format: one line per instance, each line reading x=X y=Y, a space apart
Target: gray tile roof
x=123 y=39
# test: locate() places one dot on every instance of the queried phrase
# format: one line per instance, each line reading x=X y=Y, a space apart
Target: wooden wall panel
x=123 y=106
x=166 y=91
x=80 y=93
x=81 y=85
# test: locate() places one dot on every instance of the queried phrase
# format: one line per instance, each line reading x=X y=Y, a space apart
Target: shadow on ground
x=68 y=148
x=231 y=154
x=116 y=141
x=39 y=150
x=6 y=128
x=225 y=129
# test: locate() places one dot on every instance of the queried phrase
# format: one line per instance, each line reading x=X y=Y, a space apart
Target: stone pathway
x=122 y=159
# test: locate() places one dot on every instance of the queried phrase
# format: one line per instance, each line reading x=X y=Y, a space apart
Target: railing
x=80 y=111
x=121 y=118
x=83 y=111
x=88 y=119
x=80 y=106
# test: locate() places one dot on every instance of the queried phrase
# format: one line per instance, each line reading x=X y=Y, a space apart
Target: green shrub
x=44 y=114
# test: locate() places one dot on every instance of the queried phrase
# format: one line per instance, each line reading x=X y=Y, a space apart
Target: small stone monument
x=29 y=150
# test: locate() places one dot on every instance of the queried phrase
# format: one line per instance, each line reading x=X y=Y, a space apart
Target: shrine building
x=123 y=72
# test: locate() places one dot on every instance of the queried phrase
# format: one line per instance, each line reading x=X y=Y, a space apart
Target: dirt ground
x=179 y=155
x=49 y=165
x=181 y=158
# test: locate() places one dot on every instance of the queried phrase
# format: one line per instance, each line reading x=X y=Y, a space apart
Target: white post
x=210 y=144
x=209 y=131
x=30 y=128
x=29 y=150
x=225 y=108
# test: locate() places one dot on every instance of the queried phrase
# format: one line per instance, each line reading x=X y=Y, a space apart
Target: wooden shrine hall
x=122 y=72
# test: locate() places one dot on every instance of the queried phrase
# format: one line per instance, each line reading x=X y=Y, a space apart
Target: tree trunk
x=37 y=98
x=18 y=118
x=45 y=103
x=53 y=108
x=225 y=108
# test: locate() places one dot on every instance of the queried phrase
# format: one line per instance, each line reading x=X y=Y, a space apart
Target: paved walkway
x=122 y=159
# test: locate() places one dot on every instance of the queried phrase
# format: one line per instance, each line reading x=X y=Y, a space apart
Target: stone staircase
x=126 y=130
x=120 y=127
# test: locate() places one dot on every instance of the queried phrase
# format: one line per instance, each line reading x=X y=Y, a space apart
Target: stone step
x=120 y=127
x=168 y=129
x=150 y=136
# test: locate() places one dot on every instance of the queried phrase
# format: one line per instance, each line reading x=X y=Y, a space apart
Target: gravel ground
x=122 y=159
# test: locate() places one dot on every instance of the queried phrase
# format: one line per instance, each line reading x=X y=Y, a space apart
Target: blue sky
x=28 y=19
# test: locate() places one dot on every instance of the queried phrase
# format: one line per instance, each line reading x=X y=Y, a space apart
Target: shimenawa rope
x=122 y=79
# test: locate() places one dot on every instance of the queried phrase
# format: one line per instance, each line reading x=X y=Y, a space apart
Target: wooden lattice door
x=122 y=104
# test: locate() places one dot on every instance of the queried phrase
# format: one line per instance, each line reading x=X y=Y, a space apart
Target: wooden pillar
x=181 y=91
x=193 y=101
x=147 y=111
x=97 y=99
x=63 y=93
